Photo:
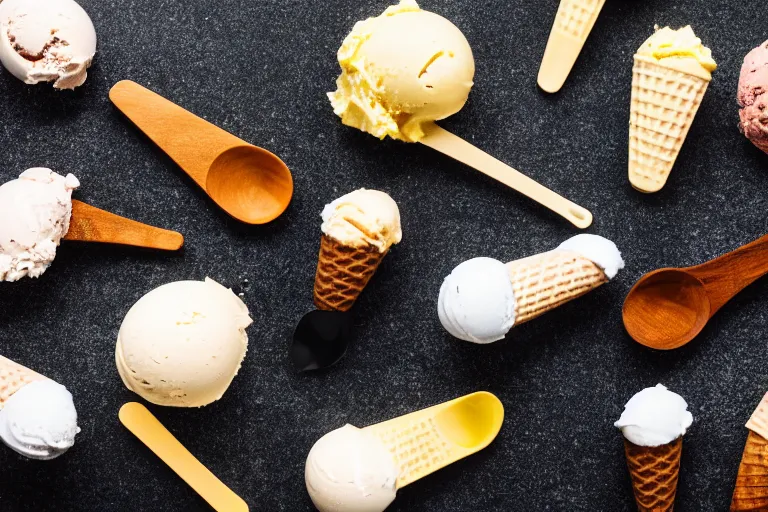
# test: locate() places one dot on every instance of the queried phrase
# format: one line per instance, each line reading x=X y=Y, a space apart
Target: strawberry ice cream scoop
x=753 y=96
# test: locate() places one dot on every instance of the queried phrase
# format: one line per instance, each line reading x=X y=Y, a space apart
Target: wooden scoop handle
x=726 y=276
x=193 y=143
x=461 y=150
x=90 y=224
x=152 y=433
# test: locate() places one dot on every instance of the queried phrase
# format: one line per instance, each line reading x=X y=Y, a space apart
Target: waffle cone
x=751 y=491
x=573 y=24
x=13 y=377
x=545 y=281
x=665 y=100
x=342 y=273
x=654 y=471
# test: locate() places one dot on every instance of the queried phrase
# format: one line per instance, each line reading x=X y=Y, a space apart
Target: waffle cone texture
x=655 y=471
x=751 y=491
x=577 y=17
x=13 y=377
x=546 y=281
x=664 y=103
x=343 y=272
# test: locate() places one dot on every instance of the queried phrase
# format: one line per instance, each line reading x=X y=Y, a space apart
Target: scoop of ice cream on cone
x=482 y=299
x=47 y=41
x=653 y=423
x=400 y=70
x=753 y=97
x=671 y=73
x=35 y=211
x=358 y=230
x=182 y=344
x=751 y=490
x=37 y=415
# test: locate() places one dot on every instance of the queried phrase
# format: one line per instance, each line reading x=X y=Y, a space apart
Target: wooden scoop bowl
x=90 y=224
x=249 y=183
x=667 y=308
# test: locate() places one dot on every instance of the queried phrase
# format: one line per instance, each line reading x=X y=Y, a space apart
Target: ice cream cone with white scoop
x=407 y=68
x=360 y=470
x=37 y=416
x=482 y=299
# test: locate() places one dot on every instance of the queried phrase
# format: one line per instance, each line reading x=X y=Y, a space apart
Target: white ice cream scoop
x=654 y=417
x=37 y=415
x=47 y=41
x=482 y=299
x=360 y=470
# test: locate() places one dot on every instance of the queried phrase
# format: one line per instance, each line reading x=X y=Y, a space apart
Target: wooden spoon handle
x=152 y=433
x=456 y=147
x=193 y=143
x=727 y=275
x=90 y=224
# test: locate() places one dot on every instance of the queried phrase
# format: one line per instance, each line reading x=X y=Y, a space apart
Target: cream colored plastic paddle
x=152 y=433
x=572 y=25
x=90 y=224
x=461 y=150
x=425 y=441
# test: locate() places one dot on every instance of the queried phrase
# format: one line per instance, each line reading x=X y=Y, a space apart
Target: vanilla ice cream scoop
x=35 y=211
x=183 y=343
x=39 y=420
x=363 y=217
x=46 y=41
x=350 y=470
x=482 y=299
x=400 y=70
x=654 y=417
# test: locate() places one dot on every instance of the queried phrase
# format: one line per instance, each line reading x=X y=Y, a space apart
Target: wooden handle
x=90 y=224
x=193 y=143
x=456 y=147
x=152 y=433
x=726 y=276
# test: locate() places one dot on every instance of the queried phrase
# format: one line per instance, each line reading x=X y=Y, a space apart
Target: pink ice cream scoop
x=753 y=96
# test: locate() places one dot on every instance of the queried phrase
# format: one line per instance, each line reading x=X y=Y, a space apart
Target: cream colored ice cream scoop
x=46 y=41
x=360 y=470
x=182 y=344
x=407 y=68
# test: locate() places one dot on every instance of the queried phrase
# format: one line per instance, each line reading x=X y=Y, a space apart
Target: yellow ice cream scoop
x=360 y=470
x=400 y=70
x=407 y=68
x=673 y=47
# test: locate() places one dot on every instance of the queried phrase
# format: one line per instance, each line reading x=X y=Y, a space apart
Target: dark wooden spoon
x=667 y=308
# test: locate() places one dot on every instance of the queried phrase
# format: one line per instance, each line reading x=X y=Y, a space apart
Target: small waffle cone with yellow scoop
x=670 y=76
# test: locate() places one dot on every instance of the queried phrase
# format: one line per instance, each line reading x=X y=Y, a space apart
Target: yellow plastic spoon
x=425 y=441
x=152 y=433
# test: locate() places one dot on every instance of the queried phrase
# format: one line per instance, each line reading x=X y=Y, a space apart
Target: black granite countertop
x=261 y=70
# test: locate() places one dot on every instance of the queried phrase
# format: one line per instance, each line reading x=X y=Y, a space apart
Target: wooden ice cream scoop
x=90 y=224
x=667 y=308
x=249 y=183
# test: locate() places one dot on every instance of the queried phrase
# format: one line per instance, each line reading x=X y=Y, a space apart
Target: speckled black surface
x=260 y=70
